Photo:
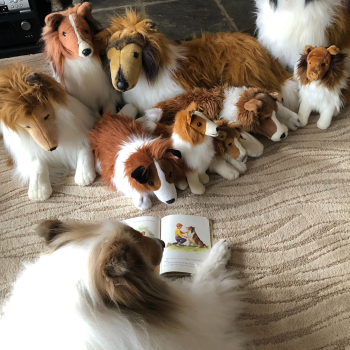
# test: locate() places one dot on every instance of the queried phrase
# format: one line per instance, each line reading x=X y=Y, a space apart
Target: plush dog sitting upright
x=324 y=83
x=36 y=117
x=96 y=289
x=134 y=162
x=74 y=54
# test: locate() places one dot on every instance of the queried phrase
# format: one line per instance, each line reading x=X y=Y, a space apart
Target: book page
x=147 y=225
x=187 y=241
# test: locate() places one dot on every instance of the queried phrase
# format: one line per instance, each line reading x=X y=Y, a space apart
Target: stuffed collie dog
x=324 y=83
x=193 y=135
x=74 y=54
x=97 y=289
x=285 y=27
x=36 y=117
x=134 y=162
x=149 y=68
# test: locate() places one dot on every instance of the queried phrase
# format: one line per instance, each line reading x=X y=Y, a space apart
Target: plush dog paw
x=84 y=175
x=142 y=202
x=241 y=167
x=181 y=185
x=220 y=253
x=323 y=123
x=39 y=191
x=303 y=120
x=197 y=189
x=230 y=173
x=203 y=178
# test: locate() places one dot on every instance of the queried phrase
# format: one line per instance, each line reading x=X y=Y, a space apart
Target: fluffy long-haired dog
x=135 y=162
x=96 y=289
x=149 y=68
x=193 y=238
x=74 y=54
x=324 y=83
x=285 y=27
x=37 y=116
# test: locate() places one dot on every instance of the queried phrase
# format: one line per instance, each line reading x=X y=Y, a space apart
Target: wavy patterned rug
x=287 y=220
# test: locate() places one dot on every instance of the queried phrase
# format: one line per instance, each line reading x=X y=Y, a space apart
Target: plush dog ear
x=276 y=96
x=175 y=152
x=85 y=10
x=333 y=50
x=140 y=175
x=150 y=63
x=308 y=49
x=50 y=229
x=150 y=25
x=222 y=135
x=236 y=126
x=34 y=78
x=253 y=105
x=53 y=20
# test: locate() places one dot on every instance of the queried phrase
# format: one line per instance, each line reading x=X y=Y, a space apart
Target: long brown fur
x=18 y=97
x=339 y=32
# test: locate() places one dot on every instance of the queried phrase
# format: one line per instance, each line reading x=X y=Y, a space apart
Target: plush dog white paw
x=39 y=191
x=324 y=123
x=303 y=120
x=84 y=175
x=220 y=253
x=241 y=167
x=230 y=173
x=197 y=188
x=292 y=125
x=142 y=202
x=181 y=185
x=203 y=178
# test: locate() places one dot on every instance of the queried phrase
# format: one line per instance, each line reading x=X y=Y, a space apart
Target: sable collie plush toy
x=74 y=54
x=324 y=83
x=134 y=162
x=285 y=27
x=44 y=130
x=149 y=68
x=97 y=289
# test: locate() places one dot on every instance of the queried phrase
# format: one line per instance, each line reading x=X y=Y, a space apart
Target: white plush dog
x=97 y=289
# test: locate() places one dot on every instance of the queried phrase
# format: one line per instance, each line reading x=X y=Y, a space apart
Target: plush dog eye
x=309 y=62
x=86 y=31
x=171 y=174
x=323 y=64
x=64 y=33
x=136 y=54
x=199 y=124
x=47 y=116
x=28 y=127
x=230 y=144
x=241 y=137
x=151 y=183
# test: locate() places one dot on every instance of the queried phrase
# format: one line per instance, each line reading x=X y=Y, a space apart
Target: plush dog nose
x=122 y=84
x=170 y=201
x=217 y=129
x=86 y=52
x=283 y=135
x=162 y=243
x=52 y=149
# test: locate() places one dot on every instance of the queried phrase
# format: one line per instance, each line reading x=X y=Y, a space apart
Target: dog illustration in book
x=179 y=236
x=193 y=238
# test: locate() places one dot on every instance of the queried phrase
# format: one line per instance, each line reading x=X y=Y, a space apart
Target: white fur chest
x=86 y=80
x=197 y=157
x=286 y=30
x=229 y=111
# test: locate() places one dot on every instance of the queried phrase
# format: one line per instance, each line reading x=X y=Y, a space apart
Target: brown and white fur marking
x=96 y=289
x=135 y=162
x=74 y=54
x=193 y=238
x=324 y=77
x=149 y=68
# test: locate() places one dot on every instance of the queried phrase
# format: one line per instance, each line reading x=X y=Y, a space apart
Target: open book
x=187 y=240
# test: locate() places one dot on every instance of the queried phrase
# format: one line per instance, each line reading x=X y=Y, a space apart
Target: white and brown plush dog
x=44 y=130
x=96 y=288
x=285 y=27
x=193 y=238
x=135 y=162
x=74 y=53
x=324 y=77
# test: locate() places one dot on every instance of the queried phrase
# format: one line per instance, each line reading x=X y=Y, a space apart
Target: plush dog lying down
x=96 y=289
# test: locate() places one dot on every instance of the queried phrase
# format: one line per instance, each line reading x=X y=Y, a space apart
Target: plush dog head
x=133 y=45
x=116 y=265
x=256 y=112
x=71 y=34
x=319 y=61
x=26 y=102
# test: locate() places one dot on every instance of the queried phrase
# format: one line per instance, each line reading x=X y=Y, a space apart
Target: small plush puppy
x=193 y=238
x=96 y=287
x=135 y=162
x=323 y=75
x=44 y=130
x=74 y=53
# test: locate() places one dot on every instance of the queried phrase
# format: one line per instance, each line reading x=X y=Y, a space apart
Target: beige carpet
x=287 y=220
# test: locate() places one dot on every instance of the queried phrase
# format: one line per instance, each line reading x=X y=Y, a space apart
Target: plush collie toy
x=324 y=83
x=255 y=109
x=149 y=68
x=36 y=117
x=134 y=162
x=285 y=27
x=74 y=54
x=97 y=288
